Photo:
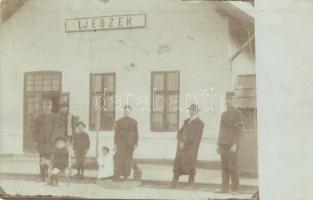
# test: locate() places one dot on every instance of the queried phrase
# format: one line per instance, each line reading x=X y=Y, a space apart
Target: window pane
x=46 y=82
x=38 y=87
x=37 y=107
x=96 y=83
x=172 y=81
x=29 y=78
x=46 y=88
x=38 y=82
x=173 y=103
x=56 y=77
x=38 y=77
x=107 y=121
x=55 y=88
x=46 y=77
x=109 y=83
x=158 y=102
x=30 y=83
x=110 y=103
x=171 y=121
x=158 y=81
x=29 y=88
x=30 y=107
x=157 y=121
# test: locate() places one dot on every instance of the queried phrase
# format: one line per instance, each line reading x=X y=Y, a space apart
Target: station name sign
x=105 y=23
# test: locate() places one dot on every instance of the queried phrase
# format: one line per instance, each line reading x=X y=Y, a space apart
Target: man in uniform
x=188 y=141
x=44 y=133
x=125 y=141
x=228 y=141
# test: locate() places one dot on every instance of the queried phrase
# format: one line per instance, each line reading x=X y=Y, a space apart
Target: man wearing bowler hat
x=228 y=140
x=188 y=141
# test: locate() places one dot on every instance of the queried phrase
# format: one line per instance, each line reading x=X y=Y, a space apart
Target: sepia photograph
x=119 y=99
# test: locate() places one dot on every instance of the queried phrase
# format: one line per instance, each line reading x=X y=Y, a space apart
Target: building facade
x=158 y=56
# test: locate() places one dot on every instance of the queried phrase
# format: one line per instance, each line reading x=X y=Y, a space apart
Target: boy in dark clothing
x=59 y=160
x=81 y=145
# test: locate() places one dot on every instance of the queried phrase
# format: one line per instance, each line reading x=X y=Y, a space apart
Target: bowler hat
x=60 y=138
x=194 y=107
x=82 y=123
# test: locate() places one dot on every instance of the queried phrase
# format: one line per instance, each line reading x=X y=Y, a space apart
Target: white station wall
x=196 y=43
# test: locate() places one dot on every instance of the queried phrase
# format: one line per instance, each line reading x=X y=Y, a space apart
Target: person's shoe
x=222 y=191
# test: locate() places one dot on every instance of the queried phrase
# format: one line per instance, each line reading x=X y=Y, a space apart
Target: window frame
x=166 y=93
x=112 y=93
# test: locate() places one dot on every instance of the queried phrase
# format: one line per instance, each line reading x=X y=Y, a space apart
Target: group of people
x=188 y=141
x=56 y=136
x=54 y=144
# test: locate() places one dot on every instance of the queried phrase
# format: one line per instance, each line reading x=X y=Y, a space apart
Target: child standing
x=60 y=159
x=105 y=162
x=81 y=145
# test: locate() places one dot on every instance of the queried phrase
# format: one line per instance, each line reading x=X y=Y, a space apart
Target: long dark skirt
x=122 y=160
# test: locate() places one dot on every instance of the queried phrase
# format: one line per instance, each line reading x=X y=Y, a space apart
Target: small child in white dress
x=105 y=163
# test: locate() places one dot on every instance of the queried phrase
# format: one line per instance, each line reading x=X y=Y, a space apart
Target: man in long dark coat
x=125 y=141
x=228 y=140
x=188 y=141
x=44 y=133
